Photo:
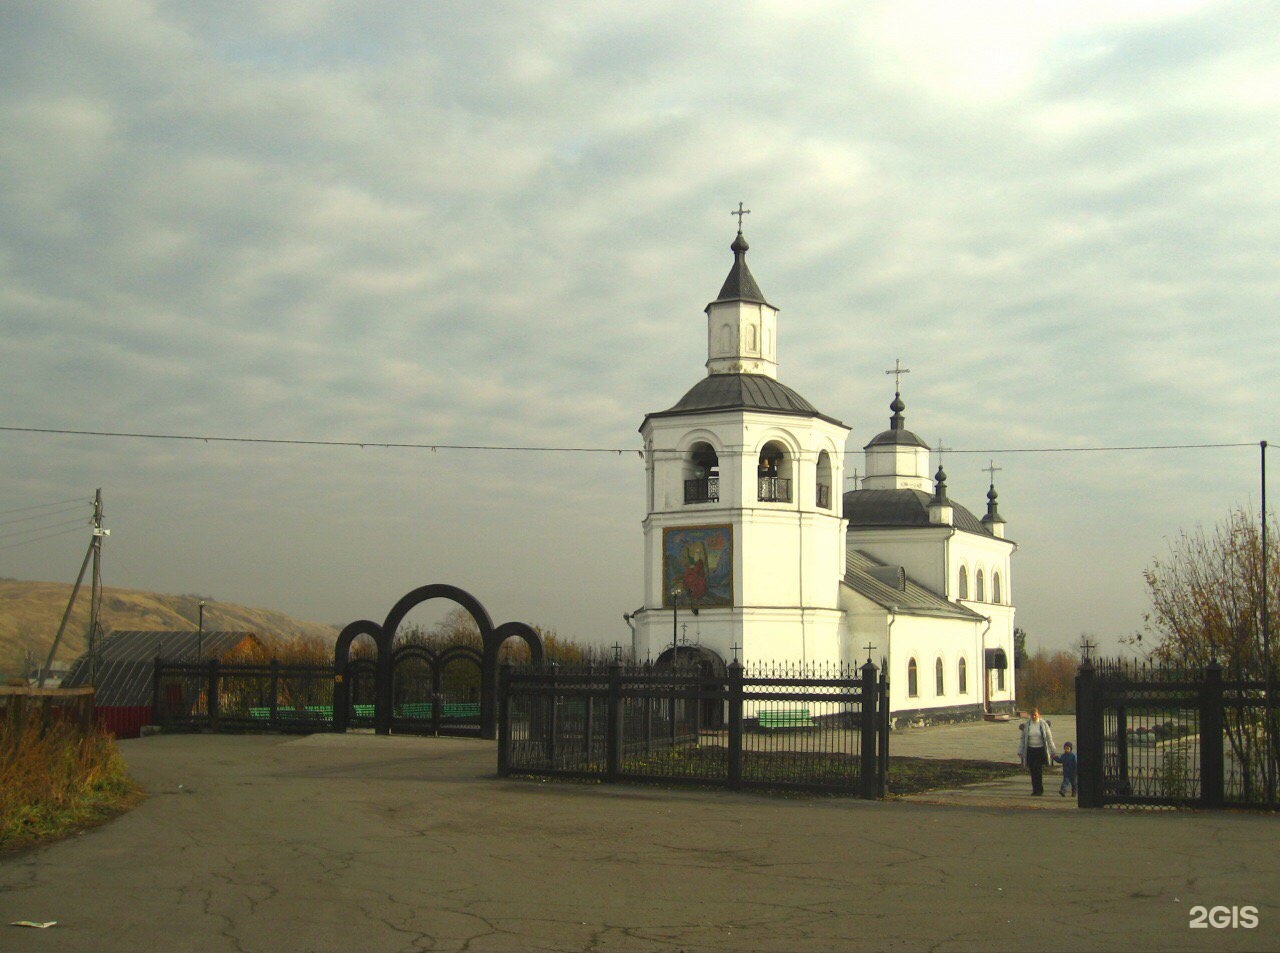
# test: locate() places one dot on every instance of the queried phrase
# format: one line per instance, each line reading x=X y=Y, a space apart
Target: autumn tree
x=1206 y=596
x=1207 y=603
x=1048 y=681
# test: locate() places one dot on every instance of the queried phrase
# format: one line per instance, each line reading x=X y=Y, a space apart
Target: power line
x=41 y=506
x=362 y=444
x=42 y=516
x=40 y=539
x=385 y=445
x=77 y=521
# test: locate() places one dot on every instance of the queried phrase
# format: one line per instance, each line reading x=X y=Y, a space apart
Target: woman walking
x=1035 y=748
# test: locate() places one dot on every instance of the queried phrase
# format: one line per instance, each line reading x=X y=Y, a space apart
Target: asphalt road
x=361 y=843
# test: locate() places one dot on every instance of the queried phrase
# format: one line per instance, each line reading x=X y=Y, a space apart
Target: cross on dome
x=740 y=212
x=897 y=372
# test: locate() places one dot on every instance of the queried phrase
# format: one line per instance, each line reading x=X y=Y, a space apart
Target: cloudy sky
x=499 y=223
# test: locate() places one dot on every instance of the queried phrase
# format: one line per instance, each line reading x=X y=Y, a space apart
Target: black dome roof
x=900 y=437
x=743 y=392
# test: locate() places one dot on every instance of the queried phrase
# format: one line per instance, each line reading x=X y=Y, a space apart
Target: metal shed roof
x=126 y=660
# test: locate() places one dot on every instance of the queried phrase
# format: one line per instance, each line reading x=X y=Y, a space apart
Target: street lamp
x=676 y=592
x=200 y=634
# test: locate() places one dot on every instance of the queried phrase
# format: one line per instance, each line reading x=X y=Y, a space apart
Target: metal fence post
x=504 y=719
x=275 y=693
x=437 y=697
x=1122 y=744
x=211 y=706
x=869 y=773
x=1089 y=734
x=882 y=736
x=553 y=716
x=341 y=695
x=1212 y=781
x=735 y=724
x=613 y=724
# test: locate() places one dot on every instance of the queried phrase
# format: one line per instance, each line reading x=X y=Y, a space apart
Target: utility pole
x=95 y=597
x=75 y=591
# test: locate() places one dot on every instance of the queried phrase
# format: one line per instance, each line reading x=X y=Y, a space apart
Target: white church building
x=752 y=551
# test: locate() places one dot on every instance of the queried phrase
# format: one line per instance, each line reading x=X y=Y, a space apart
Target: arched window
x=977 y=586
x=751 y=337
x=940 y=683
x=913 y=679
x=995 y=587
x=774 y=474
x=962 y=677
x=701 y=474
x=964 y=582
x=726 y=339
x=823 y=491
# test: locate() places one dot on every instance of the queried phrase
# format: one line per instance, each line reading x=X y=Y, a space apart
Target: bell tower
x=744 y=538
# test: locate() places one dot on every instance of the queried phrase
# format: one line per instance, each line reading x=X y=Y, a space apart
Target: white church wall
x=865 y=623
x=897 y=467
x=926 y=640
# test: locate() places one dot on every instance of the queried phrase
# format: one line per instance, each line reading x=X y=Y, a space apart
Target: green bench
x=451 y=711
x=785 y=718
x=309 y=713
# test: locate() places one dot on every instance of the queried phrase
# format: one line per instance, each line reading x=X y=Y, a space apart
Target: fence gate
x=1169 y=736
x=436 y=693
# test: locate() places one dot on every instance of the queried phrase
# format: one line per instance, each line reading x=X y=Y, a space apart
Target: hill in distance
x=30 y=613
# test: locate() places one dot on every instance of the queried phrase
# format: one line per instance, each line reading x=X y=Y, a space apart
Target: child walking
x=1068 y=761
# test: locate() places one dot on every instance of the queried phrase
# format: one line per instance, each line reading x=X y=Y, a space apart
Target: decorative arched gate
x=453 y=691
x=436 y=693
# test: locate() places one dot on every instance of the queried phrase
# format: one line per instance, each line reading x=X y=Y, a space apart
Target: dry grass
x=58 y=783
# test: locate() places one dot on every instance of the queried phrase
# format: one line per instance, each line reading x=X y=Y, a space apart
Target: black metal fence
x=275 y=696
x=783 y=727
x=210 y=695
x=1170 y=736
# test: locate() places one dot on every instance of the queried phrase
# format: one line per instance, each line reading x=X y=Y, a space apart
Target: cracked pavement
x=357 y=842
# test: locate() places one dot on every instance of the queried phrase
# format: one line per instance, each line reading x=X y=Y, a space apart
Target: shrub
x=54 y=782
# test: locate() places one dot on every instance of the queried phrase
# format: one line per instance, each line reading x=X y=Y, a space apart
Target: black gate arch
x=383 y=635
x=341 y=673
x=711 y=667
x=439 y=590
x=409 y=601
x=489 y=671
x=456 y=653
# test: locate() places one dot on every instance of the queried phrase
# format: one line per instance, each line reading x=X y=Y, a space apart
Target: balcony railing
x=824 y=496
x=706 y=490
x=775 y=490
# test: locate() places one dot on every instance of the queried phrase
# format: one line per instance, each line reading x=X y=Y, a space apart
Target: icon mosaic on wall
x=697 y=566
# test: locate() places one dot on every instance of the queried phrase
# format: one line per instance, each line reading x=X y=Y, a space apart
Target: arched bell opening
x=701 y=474
x=774 y=473
x=822 y=488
